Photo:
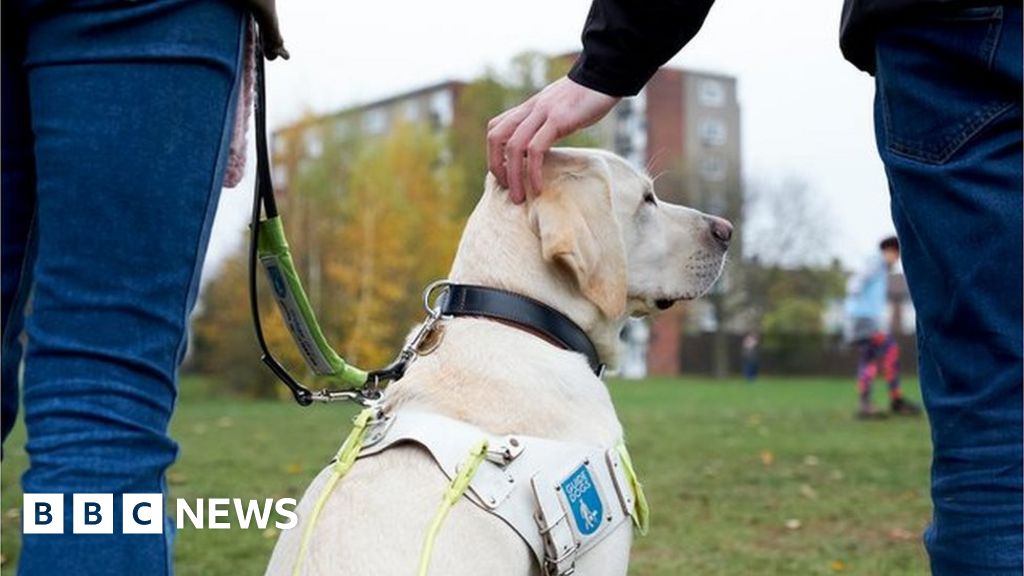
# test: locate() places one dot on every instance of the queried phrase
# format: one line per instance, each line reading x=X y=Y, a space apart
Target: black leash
x=263 y=202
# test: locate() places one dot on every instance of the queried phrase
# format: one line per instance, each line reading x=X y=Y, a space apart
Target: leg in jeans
x=948 y=122
x=132 y=106
x=19 y=189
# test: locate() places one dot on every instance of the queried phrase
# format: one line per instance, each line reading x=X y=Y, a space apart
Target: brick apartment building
x=684 y=127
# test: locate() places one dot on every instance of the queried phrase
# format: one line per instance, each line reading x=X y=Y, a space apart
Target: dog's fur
x=593 y=245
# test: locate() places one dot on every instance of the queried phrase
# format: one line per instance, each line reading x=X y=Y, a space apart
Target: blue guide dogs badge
x=584 y=500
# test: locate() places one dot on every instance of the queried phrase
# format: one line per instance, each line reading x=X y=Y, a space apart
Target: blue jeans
x=948 y=124
x=116 y=122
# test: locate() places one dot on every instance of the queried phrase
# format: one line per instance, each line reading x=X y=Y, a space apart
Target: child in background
x=879 y=352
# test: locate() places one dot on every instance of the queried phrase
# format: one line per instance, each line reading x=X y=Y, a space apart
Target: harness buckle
x=503 y=454
x=560 y=546
x=551 y=564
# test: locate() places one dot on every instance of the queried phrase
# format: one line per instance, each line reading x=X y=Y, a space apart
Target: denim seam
x=208 y=214
x=918 y=149
x=994 y=38
x=215 y=180
x=898 y=199
x=975 y=123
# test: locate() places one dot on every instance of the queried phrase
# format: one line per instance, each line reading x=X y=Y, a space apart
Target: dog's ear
x=573 y=217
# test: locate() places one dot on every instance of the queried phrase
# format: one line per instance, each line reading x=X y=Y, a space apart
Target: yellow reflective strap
x=455 y=490
x=641 y=511
x=349 y=450
x=346 y=456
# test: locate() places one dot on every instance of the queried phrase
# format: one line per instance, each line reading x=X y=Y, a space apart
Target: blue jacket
x=867 y=292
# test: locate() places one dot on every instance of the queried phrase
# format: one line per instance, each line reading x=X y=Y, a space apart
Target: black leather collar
x=521 y=311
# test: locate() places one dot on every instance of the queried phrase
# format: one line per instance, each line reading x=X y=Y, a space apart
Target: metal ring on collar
x=439 y=287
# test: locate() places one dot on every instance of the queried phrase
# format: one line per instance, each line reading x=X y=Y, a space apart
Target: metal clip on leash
x=377 y=379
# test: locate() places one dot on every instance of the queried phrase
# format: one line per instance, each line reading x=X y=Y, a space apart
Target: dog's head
x=596 y=243
x=629 y=252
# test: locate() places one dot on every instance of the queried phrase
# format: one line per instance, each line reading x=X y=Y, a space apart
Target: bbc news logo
x=144 y=513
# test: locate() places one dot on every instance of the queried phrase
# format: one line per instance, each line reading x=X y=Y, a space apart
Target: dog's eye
x=649 y=198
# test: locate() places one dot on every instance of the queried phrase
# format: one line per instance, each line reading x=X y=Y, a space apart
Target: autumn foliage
x=370 y=223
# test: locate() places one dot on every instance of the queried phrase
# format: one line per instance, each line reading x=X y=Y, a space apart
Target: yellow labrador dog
x=596 y=245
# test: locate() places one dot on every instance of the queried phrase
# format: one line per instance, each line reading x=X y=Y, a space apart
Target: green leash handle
x=292 y=302
x=269 y=248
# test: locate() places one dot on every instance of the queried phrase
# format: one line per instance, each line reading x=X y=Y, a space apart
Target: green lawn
x=774 y=478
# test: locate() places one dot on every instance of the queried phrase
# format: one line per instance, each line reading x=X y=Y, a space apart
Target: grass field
x=774 y=478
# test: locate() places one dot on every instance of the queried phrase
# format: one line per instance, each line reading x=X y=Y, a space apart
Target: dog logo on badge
x=584 y=500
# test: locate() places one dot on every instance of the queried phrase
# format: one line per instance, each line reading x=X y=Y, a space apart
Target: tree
x=400 y=232
x=786 y=225
x=790 y=275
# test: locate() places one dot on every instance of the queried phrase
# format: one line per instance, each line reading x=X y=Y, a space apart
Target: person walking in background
x=948 y=128
x=751 y=356
x=866 y=306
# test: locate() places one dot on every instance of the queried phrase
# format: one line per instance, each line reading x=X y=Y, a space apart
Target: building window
x=314 y=145
x=279 y=144
x=630 y=130
x=713 y=168
x=281 y=177
x=342 y=128
x=411 y=111
x=624 y=109
x=375 y=121
x=711 y=93
x=713 y=132
x=441 y=109
x=716 y=204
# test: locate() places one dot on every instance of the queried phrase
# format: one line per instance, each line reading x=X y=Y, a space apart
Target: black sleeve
x=625 y=41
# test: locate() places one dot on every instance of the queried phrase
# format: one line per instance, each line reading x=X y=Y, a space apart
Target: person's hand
x=526 y=132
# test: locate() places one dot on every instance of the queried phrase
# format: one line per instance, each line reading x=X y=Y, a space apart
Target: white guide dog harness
x=561 y=498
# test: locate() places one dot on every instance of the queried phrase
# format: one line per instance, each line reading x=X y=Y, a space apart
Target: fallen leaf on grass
x=808 y=492
x=270 y=533
x=793 y=524
x=838 y=566
x=12 y=513
x=810 y=460
x=176 y=478
x=900 y=534
x=293 y=468
x=767 y=457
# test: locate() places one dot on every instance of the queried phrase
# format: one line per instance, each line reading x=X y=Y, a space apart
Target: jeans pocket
x=934 y=81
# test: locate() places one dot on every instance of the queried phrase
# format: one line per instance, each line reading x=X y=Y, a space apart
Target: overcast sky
x=806 y=112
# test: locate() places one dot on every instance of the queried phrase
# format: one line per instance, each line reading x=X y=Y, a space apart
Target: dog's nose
x=721 y=229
